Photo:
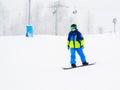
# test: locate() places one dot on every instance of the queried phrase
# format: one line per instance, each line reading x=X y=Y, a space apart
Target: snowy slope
x=36 y=63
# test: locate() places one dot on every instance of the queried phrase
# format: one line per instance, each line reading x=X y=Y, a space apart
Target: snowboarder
x=76 y=44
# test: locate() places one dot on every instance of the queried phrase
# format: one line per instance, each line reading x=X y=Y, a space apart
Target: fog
x=54 y=17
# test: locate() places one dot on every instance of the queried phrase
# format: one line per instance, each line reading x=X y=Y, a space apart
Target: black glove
x=68 y=47
x=82 y=47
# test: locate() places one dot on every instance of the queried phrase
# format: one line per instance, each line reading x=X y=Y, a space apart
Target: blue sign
x=29 y=31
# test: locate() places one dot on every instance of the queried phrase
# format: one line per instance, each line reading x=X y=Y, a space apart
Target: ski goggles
x=73 y=28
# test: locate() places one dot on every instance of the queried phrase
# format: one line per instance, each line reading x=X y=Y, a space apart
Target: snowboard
x=67 y=68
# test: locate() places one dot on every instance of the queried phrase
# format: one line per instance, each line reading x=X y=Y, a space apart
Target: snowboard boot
x=73 y=65
x=85 y=63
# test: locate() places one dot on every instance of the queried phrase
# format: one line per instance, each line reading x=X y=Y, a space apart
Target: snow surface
x=36 y=63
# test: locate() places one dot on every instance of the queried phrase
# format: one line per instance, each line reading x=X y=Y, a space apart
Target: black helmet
x=74 y=25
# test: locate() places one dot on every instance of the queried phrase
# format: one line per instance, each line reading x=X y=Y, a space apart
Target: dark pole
x=29 y=12
x=114 y=21
x=56 y=12
x=29 y=31
x=56 y=20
